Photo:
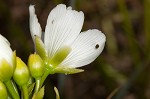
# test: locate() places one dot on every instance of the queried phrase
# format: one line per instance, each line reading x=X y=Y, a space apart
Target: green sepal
x=39 y=94
x=57 y=93
x=30 y=89
x=9 y=96
x=30 y=81
x=12 y=89
x=3 y=91
x=60 y=55
x=40 y=48
x=67 y=70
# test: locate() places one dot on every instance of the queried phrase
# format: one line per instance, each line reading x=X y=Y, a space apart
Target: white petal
x=5 y=50
x=35 y=27
x=86 y=48
x=3 y=39
x=63 y=26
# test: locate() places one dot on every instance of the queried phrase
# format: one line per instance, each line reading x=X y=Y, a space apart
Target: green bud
x=60 y=55
x=36 y=65
x=3 y=91
x=21 y=74
x=6 y=70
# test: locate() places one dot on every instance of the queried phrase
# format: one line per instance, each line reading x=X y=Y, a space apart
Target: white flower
x=63 y=29
x=5 y=50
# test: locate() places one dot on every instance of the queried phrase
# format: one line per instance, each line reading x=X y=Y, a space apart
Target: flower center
x=60 y=55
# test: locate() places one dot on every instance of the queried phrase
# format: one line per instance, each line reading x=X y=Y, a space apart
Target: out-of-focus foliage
x=124 y=64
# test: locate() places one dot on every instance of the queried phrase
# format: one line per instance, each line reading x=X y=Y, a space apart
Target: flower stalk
x=3 y=91
x=25 y=92
x=12 y=89
x=43 y=78
x=37 y=85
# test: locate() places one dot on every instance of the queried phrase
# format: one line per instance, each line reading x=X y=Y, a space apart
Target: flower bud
x=3 y=91
x=7 y=60
x=35 y=64
x=21 y=74
x=6 y=70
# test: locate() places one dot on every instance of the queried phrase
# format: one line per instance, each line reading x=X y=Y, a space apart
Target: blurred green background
x=122 y=70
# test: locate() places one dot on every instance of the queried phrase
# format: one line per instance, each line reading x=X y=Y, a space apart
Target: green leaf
x=67 y=70
x=40 y=48
x=39 y=95
x=57 y=93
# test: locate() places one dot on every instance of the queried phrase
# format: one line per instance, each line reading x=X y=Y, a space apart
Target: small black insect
x=96 y=46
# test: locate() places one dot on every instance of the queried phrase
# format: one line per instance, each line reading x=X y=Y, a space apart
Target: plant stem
x=25 y=92
x=37 y=85
x=127 y=25
x=147 y=23
x=46 y=73
x=11 y=88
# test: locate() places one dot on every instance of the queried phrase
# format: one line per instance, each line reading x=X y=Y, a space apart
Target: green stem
x=25 y=92
x=37 y=86
x=147 y=23
x=11 y=88
x=129 y=31
x=46 y=73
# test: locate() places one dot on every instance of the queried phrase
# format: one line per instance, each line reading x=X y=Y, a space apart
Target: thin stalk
x=37 y=85
x=122 y=92
x=46 y=73
x=147 y=23
x=12 y=90
x=129 y=31
x=25 y=92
